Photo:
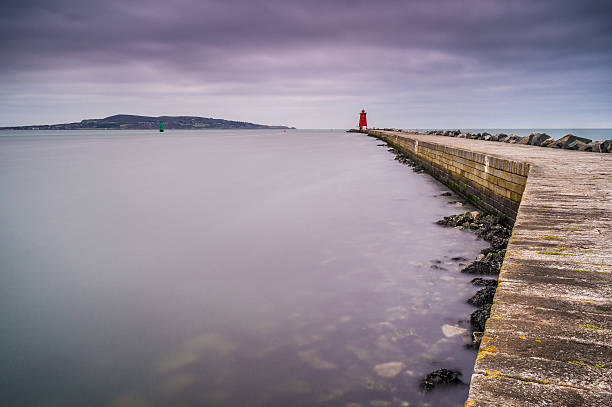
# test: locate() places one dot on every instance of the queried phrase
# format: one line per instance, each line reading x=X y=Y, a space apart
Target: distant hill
x=131 y=122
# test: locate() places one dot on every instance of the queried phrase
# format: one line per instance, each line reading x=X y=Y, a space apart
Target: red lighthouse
x=363 y=122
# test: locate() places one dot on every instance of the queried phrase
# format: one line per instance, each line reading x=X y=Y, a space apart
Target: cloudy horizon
x=315 y=64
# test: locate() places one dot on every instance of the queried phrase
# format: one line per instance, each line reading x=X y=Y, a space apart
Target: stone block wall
x=493 y=184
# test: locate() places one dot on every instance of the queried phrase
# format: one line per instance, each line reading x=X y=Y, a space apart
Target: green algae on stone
x=554 y=253
x=590 y=326
x=551 y=237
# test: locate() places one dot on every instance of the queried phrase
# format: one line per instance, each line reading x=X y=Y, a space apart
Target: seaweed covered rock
x=490 y=264
x=440 y=377
x=484 y=282
x=478 y=318
x=483 y=296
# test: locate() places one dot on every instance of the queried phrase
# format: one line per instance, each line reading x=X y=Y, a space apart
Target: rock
x=313 y=360
x=458 y=203
x=446 y=194
x=564 y=141
x=481 y=267
x=484 y=282
x=389 y=369
x=512 y=138
x=606 y=146
x=483 y=296
x=548 y=143
x=500 y=136
x=462 y=135
x=535 y=139
x=440 y=377
x=478 y=318
x=477 y=337
x=593 y=146
x=450 y=330
x=475 y=215
x=575 y=145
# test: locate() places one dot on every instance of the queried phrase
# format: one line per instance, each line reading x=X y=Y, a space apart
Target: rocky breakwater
x=568 y=142
x=496 y=230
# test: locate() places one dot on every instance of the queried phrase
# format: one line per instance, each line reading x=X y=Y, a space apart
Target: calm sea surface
x=224 y=268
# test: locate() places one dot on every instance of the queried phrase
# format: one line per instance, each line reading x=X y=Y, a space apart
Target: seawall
x=493 y=183
x=548 y=341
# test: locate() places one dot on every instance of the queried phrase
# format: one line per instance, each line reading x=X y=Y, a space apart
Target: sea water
x=225 y=268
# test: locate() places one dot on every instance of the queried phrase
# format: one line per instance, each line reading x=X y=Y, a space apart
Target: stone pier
x=548 y=341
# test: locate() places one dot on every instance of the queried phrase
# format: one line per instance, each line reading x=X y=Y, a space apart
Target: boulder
x=567 y=139
x=593 y=146
x=512 y=138
x=606 y=146
x=575 y=145
x=548 y=143
x=500 y=136
x=535 y=139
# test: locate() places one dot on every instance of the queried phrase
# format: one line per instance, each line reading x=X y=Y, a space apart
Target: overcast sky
x=310 y=64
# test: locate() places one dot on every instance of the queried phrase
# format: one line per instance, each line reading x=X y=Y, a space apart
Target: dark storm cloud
x=421 y=45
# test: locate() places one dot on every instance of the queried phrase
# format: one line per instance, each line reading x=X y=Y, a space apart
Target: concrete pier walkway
x=548 y=341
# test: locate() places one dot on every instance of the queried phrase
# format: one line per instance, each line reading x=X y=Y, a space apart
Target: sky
x=311 y=64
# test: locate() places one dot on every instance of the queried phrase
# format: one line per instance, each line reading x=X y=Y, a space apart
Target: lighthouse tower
x=363 y=122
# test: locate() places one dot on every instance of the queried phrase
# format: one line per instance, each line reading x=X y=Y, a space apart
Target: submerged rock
x=451 y=330
x=389 y=369
x=311 y=358
x=483 y=296
x=440 y=377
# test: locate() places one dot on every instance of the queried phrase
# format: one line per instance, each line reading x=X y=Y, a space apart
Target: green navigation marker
x=161 y=127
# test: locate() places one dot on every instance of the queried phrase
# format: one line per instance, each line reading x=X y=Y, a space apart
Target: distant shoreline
x=135 y=122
